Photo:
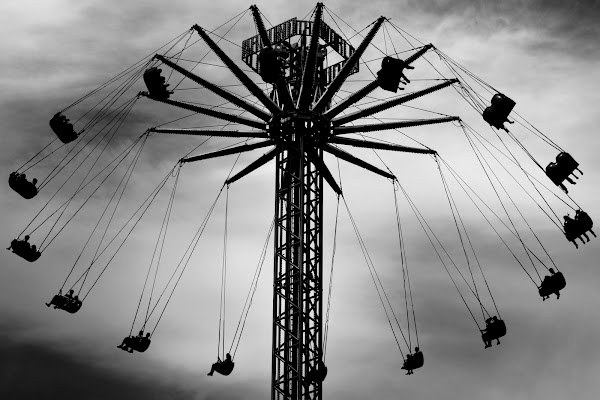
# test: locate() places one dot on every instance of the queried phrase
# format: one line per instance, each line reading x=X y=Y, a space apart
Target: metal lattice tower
x=300 y=123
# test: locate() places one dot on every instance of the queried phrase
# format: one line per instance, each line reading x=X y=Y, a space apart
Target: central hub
x=292 y=124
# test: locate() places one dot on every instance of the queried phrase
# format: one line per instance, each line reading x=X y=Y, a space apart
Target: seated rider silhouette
x=413 y=361
x=489 y=333
x=222 y=367
x=128 y=342
x=55 y=300
x=19 y=243
x=549 y=282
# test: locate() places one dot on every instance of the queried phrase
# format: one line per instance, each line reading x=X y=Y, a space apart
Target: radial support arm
x=209 y=132
x=389 y=104
x=260 y=27
x=244 y=79
x=380 y=146
x=320 y=164
x=347 y=68
x=356 y=161
x=262 y=160
x=226 y=152
x=308 y=76
x=391 y=125
x=280 y=83
x=419 y=53
x=217 y=90
x=353 y=98
x=213 y=113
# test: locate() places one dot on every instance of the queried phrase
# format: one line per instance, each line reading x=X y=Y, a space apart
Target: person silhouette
x=223 y=367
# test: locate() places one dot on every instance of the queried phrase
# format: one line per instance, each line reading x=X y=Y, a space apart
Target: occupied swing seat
x=552 y=284
x=579 y=227
x=562 y=169
x=318 y=374
x=392 y=73
x=413 y=361
x=494 y=330
x=138 y=343
x=65 y=302
x=223 y=367
x=156 y=85
x=22 y=248
x=63 y=128
x=497 y=113
x=19 y=183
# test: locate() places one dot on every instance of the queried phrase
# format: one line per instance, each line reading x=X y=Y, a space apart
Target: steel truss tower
x=300 y=124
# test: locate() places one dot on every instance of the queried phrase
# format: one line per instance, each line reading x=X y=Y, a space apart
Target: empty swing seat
x=552 y=284
x=156 y=85
x=23 y=249
x=497 y=113
x=20 y=184
x=390 y=74
x=63 y=128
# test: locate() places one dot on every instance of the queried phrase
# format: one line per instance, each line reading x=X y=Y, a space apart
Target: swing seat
x=66 y=303
x=21 y=185
x=72 y=306
x=318 y=374
x=494 y=331
x=268 y=64
x=22 y=249
x=224 y=367
x=155 y=82
x=552 y=284
x=578 y=226
x=557 y=173
x=497 y=114
x=572 y=230
x=584 y=221
x=390 y=74
x=566 y=161
x=560 y=170
x=413 y=362
x=140 y=344
x=63 y=128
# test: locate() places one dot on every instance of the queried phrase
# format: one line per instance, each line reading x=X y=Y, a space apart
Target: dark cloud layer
x=32 y=371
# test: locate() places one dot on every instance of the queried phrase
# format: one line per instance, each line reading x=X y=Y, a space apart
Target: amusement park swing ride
x=290 y=102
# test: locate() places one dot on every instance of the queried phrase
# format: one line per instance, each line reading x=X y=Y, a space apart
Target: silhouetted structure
x=299 y=124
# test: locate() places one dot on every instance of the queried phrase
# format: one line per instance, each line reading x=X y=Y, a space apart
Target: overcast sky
x=543 y=54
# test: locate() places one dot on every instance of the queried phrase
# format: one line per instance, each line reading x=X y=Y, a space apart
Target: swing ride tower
x=302 y=130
